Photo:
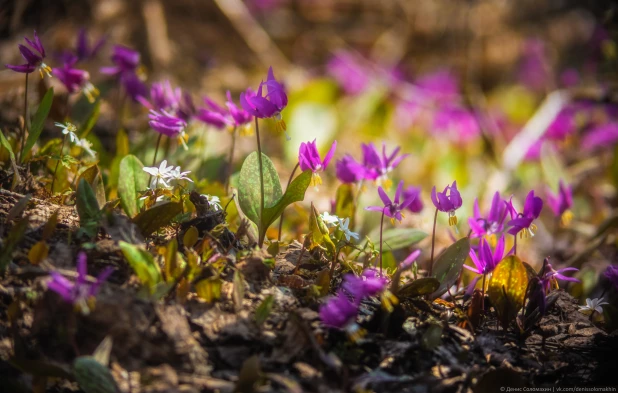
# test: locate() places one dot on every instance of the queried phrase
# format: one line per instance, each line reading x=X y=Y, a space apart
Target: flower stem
x=57 y=163
x=381 y=230
x=483 y=293
x=286 y=188
x=515 y=244
x=261 y=230
x=230 y=162
x=23 y=130
x=154 y=159
x=433 y=243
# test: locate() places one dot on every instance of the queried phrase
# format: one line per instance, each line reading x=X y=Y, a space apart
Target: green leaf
x=263 y=310
x=398 y=238
x=87 y=208
x=294 y=193
x=92 y=376
x=143 y=264
x=38 y=121
x=132 y=179
x=249 y=190
x=13 y=238
x=419 y=287
x=91 y=121
x=320 y=236
x=507 y=288
x=344 y=202
x=157 y=217
x=449 y=264
x=93 y=176
x=5 y=143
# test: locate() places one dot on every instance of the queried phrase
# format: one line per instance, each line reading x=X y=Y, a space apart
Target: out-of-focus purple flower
x=537 y=295
x=522 y=223
x=447 y=201
x=81 y=293
x=601 y=136
x=347 y=69
x=413 y=193
x=76 y=80
x=459 y=124
x=125 y=60
x=532 y=71
x=561 y=203
x=338 y=311
x=491 y=224
x=410 y=259
x=368 y=284
x=133 y=85
x=392 y=208
x=163 y=97
x=438 y=85
x=83 y=49
x=551 y=276
x=348 y=170
x=214 y=115
x=309 y=159
x=270 y=105
x=563 y=125
x=569 y=77
x=486 y=260
x=34 y=61
x=241 y=117
x=378 y=166
x=166 y=123
x=611 y=273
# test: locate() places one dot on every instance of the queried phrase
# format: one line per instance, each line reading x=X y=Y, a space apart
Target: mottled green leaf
x=263 y=310
x=131 y=180
x=418 y=287
x=143 y=264
x=507 y=288
x=294 y=193
x=87 y=208
x=157 y=217
x=398 y=238
x=249 y=190
x=320 y=236
x=38 y=121
x=92 y=376
x=449 y=264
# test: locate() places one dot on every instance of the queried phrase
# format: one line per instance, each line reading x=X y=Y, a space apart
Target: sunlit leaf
x=449 y=264
x=93 y=176
x=103 y=350
x=507 y=288
x=249 y=190
x=294 y=193
x=131 y=180
x=16 y=177
x=190 y=237
x=320 y=236
x=171 y=260
x=418 y=287
x=38 y=252
x=344 y=202
x=143 y=264
x=264 y=309
x=398 y=238
x=209 y=289
x=50 y=226
x=13 y=238
x=157 y=217
x=38 y=121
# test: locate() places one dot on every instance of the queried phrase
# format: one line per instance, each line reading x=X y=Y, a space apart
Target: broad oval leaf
x=449 y=264
x=38 y=121
x=249 y=191
x=87 y=208
x=418 y=287
x=398 y=238
x=294 y=193
x=507 y=288
x=92 y=175
x=157 y=217
x=131 y=179
x=143 y=264
x=92 y=376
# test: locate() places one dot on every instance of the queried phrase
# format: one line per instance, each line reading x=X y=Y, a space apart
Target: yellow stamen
x=384 y=182
x=247 y=130
x=355 y=332
x=44 y=68
x=388 y=301
x=142 y=73
x=566 y=218
x=316 y=180
x=183 y=139
x=452 y=218
x=492 y=240
x=527 y=232
x=71 y=127
x=91 y=92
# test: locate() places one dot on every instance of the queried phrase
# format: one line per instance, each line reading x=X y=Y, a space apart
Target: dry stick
x=433 y=243
x=230 y=168
x=23 y=130
x=286 y=188
x=58 y=163
x=259 y=146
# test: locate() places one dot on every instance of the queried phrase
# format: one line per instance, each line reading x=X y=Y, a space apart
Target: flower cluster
x=376 y=166
x=232 y=117
x=162 y=175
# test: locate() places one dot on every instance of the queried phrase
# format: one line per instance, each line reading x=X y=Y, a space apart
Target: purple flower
x=368 y=284
x=393 y=208
x=338 y=311
x=348 y=170
x=537 y=295
x=166 y=124
x=447 y=201
x=241 y=117
x=34 y=61
x=491 y=224
x=601 y=136
x=561 y=203
x=522 y=222
x=162 y=97
x=76 y=80
x=267 y=106
x=378 y=166
x=83 y=49
x=413 y=193
x=133 y=85
x=611 y=273
x=533 y=72
x=81 y=293
x=125 y=60
x=439 y=85
x=551 y=276
x=486 y=261
x=353 y=76
x=214 y=115
x=309 y=159
x=459 y=124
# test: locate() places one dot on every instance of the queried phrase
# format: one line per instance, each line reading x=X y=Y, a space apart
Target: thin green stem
x=58 y=163
x=154 y=159
x=433 y=243
x=381 y=230
x=230 y=167
x=23 y=130
x=261 y=230
x=286 y=188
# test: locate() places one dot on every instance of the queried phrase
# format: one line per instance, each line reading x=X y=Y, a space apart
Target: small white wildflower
x=159 y=175
x=68 y=129
x=177 y=174
x=592 y=305
x=330 y=220
x=344 y=227
x=213 y=201
x=87 y=146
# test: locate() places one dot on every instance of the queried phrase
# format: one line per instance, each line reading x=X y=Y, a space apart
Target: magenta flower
x=413 y=193
x=350 y=72
x=447 y=201
x=126 y=60
x=561 y=203
x=83 y=49
x=533 y=71
x=392 y=208
x=76 y=80
x=338 y=311
x=163 y=97
x=551 y=276
x=522 y=222
x=348 y=170
x=491 y=224
x=378 y=166
x=267 y=106
x=167 y=124
x=458 y=123
x=438 y=85
x=241 y=117
x=485 y=261
x=309 y=159
x=601 y=136
x=214 y=115
x=368 y=284
x=81 y=293
x=611 y=273
x=34 y=61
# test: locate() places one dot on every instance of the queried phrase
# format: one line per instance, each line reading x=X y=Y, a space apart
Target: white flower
x=87 y=146
x=160 y=175
x=177 y=174
x=68 y=129
x=213 y=201
x=330 y=219
x=343 y=227
x=592 y=305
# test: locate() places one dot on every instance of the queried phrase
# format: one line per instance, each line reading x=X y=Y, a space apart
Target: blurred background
x=503 y=96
